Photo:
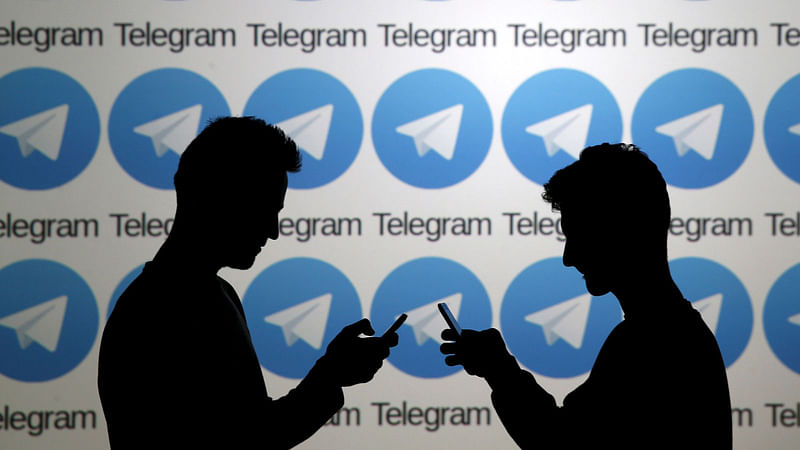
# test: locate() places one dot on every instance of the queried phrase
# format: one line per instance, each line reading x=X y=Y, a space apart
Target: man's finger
x=449 y=335
x=390 y=339
x=355 y=329
x=466 y=332
x=448 y=348
x=372 y=349
x=452 y=360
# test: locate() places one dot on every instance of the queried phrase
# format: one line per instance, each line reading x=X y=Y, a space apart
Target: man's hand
x=482 y=353
x=351 y=359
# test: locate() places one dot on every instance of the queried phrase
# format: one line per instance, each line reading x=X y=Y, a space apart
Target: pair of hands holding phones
x=351 y=359
x=482 y=353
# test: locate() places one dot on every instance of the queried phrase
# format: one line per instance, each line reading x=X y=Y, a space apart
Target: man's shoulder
x=678 y=317
x=227 y=288
x=676 y=338
x=146 y=292
x=678 y=331
x=164 y=286
x=159 y=299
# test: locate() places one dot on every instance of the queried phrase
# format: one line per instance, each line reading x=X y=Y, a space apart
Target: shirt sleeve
x=528 y=413
x=296 y=416
x=187 y=377
x=649 y=386
x=293 y=418
x=534 y=420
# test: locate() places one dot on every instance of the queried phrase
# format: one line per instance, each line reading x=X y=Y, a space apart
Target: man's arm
x=349 y=359
x=296 y=416
x=527 y=411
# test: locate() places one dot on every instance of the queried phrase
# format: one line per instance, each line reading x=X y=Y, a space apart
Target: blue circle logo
x=415 y=288
x=695 y=125
x=551 y=323
x=294 y=309
x=49 y=128
x=121 y=288
x=782 y=129
x=320 y=114
x=156 y=117
x=721 y=299
x=553 y=116
x=432 y=128
x=782 y=318
x=48 y=320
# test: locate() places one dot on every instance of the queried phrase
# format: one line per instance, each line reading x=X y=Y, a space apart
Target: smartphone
x=449 y=318
x=402 y=318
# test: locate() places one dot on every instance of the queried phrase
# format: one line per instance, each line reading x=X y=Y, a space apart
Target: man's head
x=230 y=184
x=615 y=214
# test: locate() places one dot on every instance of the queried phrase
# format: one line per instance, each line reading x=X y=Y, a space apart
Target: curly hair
x=232 y=151
x=610 y=175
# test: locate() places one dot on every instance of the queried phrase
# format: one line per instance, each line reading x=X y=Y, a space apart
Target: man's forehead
x=255 y=179
x=572 y=210
x=579 y=215
x=262 y=186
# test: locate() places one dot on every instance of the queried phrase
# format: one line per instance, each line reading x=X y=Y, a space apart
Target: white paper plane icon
x=566 y=320
x=43 y=132
x=174 y=131
x=310 y=130
x=697 y=131
x=566 y=131
x=428 y=323
x=795 y=129
x=40 y=323
x=795 y=319
x=437 y=131
x=305 y=321
x=709 y=309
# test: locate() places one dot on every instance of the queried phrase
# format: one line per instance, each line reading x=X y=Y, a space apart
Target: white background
x=756 y=378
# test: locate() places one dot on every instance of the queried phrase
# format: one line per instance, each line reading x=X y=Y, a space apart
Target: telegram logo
x=554 y=115
x=695 y=125
x=551 y=324
x=121 y=288
x=41 y=132
x=320 y=114
x=432 y=128
x=49 y=128
x=48 y=320
x=721 y=299
x=782 y=129
x=305 y=321
x=415 y=288
x=782 y=318
x=294 y=308
x=155 y=118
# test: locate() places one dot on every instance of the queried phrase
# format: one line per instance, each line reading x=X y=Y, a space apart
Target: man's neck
x=648 y=292
x=184 y=252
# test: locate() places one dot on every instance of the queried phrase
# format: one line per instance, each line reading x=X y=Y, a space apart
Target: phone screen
x=400 y=319
x=449 y=318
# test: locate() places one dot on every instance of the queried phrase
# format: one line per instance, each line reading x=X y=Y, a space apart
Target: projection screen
x=427 y=130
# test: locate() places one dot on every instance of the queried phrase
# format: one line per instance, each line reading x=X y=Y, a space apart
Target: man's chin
x=595 y=289
x=242 y=263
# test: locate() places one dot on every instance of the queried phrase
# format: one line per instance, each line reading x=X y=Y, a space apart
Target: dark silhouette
x=659 y=380
x=177 y=367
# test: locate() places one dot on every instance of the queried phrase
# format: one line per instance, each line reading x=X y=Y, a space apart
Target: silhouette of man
x=659 y=380
x=177 y=367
